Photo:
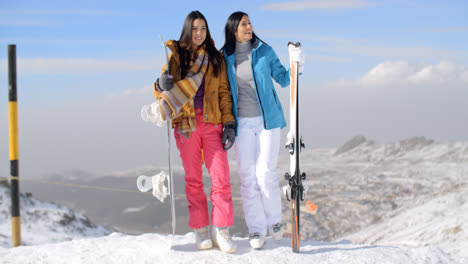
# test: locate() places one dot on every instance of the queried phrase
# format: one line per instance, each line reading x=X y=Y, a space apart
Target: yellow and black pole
x=13 y=129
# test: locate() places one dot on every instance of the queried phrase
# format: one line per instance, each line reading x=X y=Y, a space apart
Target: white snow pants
x=257 y=155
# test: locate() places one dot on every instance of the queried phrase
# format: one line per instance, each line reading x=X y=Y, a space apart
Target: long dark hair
x=184 y=45
x=230 y=29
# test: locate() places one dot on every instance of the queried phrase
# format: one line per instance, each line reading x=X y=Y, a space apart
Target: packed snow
x=154 y=248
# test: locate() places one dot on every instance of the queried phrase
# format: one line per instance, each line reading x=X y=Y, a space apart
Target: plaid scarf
x=172 y=101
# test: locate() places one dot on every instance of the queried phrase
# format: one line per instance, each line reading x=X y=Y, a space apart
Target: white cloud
x=464 y=76
x=78 y=65
x=318 y=4
x=294 y=33
x=387 y=72
x=29 y=16
x=25 y=22
x=66 y=41
x=61 y=11
x=381 y=50
x=446 y=30
x=327 y=58
x=443 y=72
x=393 y=100
x=365 y=47
x=403 y=73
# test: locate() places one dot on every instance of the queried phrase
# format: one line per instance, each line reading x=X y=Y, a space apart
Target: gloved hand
x=298 y=56
x=165 y=81
x=229 y=135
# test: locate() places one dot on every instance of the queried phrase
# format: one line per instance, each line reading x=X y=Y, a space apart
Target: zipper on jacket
x=256 y=90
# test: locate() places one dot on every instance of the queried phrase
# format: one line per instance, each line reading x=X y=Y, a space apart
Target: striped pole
x=13 y=129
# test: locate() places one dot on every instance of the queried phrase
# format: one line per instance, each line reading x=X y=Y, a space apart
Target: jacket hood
x=172 y=45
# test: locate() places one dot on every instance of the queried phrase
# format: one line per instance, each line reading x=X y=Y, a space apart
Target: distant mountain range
x=44 y=222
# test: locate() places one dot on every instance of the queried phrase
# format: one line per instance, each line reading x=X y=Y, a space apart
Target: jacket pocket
x=278 y=103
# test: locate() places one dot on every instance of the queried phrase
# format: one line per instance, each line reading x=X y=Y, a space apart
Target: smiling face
x=244 y=30
x=198 y=33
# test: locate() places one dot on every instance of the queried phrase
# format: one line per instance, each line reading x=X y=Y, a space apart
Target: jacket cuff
x=230 y=123
x=156 y=86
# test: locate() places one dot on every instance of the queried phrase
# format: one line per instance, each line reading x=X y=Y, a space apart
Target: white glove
x=296 y=54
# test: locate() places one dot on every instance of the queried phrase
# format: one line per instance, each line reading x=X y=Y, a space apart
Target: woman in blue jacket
x=251 y=65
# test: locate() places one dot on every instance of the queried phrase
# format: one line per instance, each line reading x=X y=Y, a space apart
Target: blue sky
x=387 y=69
x=340 y=42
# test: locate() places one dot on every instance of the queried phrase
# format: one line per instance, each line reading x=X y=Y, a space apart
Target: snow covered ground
x=442 y=221
x=153 y=248
x=403 y=202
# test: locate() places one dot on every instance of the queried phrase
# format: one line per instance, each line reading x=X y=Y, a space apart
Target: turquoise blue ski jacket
x=265 y=66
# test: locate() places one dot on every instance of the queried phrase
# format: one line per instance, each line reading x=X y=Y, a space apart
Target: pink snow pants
x=208 y=138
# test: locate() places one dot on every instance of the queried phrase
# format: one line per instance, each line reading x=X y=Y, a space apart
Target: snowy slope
x=44 y=222
x=426 y=182
x=153 y=248
x=363 y=184
x=441 y=220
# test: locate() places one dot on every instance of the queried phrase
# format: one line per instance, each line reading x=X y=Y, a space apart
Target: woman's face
x=198 y=33
x=244 y=30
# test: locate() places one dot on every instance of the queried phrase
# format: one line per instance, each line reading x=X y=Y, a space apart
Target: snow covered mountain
x=45 y=225
x=441 y=220
x=401 y=202
x=44 y=222
x=386 y=191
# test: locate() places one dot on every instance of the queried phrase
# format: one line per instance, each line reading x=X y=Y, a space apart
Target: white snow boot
x=256 y=240
x=222 y=238
x=202 y=238
x=276 y=231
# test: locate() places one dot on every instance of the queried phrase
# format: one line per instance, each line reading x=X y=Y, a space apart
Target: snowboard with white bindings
x=150 y=113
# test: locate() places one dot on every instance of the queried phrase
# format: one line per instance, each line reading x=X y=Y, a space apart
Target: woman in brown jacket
x=195 y=94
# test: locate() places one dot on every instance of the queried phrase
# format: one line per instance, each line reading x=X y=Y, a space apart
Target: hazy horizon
x=388 y=70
